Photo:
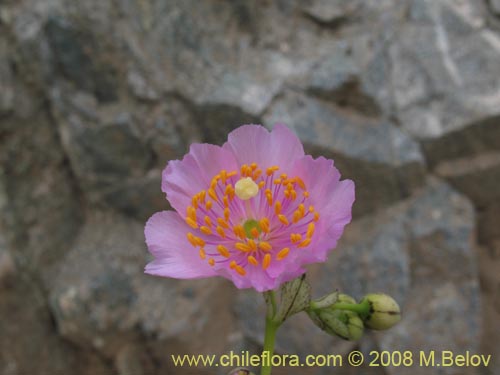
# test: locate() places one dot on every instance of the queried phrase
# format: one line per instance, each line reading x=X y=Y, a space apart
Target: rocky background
x=97 y=95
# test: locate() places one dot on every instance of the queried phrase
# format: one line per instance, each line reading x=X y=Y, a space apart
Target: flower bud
x=345 y=324
x=384 y=311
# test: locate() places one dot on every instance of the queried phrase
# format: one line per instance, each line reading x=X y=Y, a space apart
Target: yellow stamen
x=316 y=216
x=191 y=212
x=202 y=195
x=242 y=247
x=203 y=255
x=232 y=265
x=271 y=170
x=299 y=182
x=283 y=253
x=306 y=194
x=244 y=169
x=264 y=224
x=283 y=176
x=304 y=243
x=209 y=205
x=222 y=223
x=252 y=244
x=254 y=232
x=194 y=201
x=220 y=231
x=311 y=209
x=212 y=194
x=265 y=246
x=246 y=188
x=211 y=261
x=239 y=231
x=240 y=270
x=257 y=174
x=205 y=230
x=223 y=176
x=223 y=251
x=191 y=223
x=283 y=219
x=253 y=166
x=266 y=261
x=277 y=207
x=199 y=241
x=293 y=194
x=231 y=174
x=302 y=209
x=252 y=260
x=214 y=182
x=310 y=230
x=296 y=216
x=208 y=221
x=192 y=239
x=225 y=199
x=226 y=213
x=277 y=181
x=261 y=184
x=295 y=237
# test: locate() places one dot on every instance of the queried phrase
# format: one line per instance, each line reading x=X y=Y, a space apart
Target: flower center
x=248 y=218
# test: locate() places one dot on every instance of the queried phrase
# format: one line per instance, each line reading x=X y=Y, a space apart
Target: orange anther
x=277 y=207
x=283 y=219
x=254 y=232
x=304 y=243
x=211 y=261
x=209 y=205
x=310 y=230
x=223 y=251
x=266 y=261
x=203 y=255
x=191 y=223
x=208 y=221
x=251 y=259
x=242 y=247
x=205 y=230
x=266 y=246
x=283 y=253
x=240 y=270
x=222 y=223
x=220 y=231
x=212 y=194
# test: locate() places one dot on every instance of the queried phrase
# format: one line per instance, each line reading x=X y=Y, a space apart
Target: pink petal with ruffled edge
x=332 y=198
x=174 y=256
x=254 y=143
x=181 y=179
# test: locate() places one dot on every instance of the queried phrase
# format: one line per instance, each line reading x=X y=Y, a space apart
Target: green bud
x=345 y=324
x=384 y=311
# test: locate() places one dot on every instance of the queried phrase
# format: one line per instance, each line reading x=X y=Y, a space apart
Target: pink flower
x=254 y=211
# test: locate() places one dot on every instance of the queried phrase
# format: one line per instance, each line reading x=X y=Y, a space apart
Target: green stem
x=362 y=308
x=269 y=341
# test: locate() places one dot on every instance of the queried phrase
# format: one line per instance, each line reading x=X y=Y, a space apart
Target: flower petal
x=182 y=179
x=254 y=143
x=175 y=257
x=332 y=198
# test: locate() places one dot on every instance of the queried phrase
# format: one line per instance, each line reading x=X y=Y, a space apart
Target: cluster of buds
x=338 y=314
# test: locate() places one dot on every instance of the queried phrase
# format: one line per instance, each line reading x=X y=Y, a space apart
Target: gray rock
x=328 y=12
x=447 y=83
x=79 y=57
x=495 y=6
x=7 y=266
